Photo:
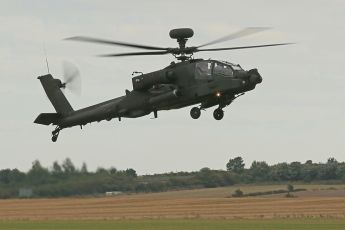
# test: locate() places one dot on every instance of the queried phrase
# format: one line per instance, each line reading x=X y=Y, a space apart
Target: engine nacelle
x=146 y=81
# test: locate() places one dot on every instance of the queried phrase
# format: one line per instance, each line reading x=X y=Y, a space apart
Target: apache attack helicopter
x=188 y=82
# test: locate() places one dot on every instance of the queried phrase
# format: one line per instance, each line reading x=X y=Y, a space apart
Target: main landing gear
x=55 y=134
x=218 y=114
x=195 y=112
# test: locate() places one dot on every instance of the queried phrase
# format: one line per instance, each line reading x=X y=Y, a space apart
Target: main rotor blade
x=118 y=43
x=238 y=34
x=243 y=47
x=135 y=54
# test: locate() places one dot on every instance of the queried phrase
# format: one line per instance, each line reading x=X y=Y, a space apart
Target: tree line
x=65 y=179
x=260 y=171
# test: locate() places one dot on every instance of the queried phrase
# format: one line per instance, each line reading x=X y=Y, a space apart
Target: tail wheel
x=54 y=138
x=218 y=114
x=195 y=112
x=56 y=133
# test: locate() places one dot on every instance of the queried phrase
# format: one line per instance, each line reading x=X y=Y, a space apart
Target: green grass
x=170 y=224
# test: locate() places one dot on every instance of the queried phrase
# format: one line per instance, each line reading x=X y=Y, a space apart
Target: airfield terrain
x=319 y=201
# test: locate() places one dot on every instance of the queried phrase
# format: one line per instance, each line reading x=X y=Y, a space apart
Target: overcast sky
x=296 y=114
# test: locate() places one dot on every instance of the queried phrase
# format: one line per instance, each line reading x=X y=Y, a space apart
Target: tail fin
x=57 y=98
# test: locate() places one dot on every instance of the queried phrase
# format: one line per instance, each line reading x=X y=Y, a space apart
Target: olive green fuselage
x=205 y=82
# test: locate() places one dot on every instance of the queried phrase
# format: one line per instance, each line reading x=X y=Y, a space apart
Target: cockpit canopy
x=208 y=68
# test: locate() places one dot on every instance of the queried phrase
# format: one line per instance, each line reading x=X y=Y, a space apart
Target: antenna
x=45 y=54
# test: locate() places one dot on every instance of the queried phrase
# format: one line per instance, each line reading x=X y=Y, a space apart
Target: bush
x=237 y=193
x=290 y=188
x=289 y=195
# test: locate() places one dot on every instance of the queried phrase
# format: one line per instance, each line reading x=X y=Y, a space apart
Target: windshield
x=203 y=70
x=236 y=67
x=233 y=66
x=222 y=70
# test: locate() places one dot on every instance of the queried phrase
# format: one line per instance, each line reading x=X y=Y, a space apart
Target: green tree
x=332 y=160
x=290 y=188
x=340 y=174
x=56 y=169
x=112 y=170
x=309 y=171
x=68 y=166
x=237 y=193
x=38 y=174
x=131 y=172
x=259 y=170
x=84 y=168
x=295 y=169
x=5 y=176
x=328 y=171
x=208 y=178
x=101 y=170
x=308 y=162
x=36 y=166
x=235 y=165
x=16 y=176
x=280 y=172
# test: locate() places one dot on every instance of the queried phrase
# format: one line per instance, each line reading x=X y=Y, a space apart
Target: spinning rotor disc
x=181 y=35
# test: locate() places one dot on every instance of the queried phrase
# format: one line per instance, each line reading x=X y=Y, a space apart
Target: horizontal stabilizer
x=47 y=118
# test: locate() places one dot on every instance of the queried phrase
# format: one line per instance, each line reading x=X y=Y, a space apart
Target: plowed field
x=200 y=204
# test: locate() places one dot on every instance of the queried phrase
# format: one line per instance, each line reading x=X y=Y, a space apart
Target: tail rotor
x=72 y=78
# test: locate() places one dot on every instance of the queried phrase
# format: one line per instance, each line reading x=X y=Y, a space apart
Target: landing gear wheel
x=195 y=112
x=54 y=138
x=55 y=134
x=218 y=114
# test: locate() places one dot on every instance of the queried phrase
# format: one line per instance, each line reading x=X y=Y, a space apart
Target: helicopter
x=187 y=82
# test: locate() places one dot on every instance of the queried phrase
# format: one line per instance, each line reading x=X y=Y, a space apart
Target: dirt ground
x=201 y=203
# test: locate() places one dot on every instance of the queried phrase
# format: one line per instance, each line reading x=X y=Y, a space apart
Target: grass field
x=184 y=224
x=321 y=207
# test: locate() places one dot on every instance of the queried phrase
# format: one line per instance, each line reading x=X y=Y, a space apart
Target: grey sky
x=297 y=113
